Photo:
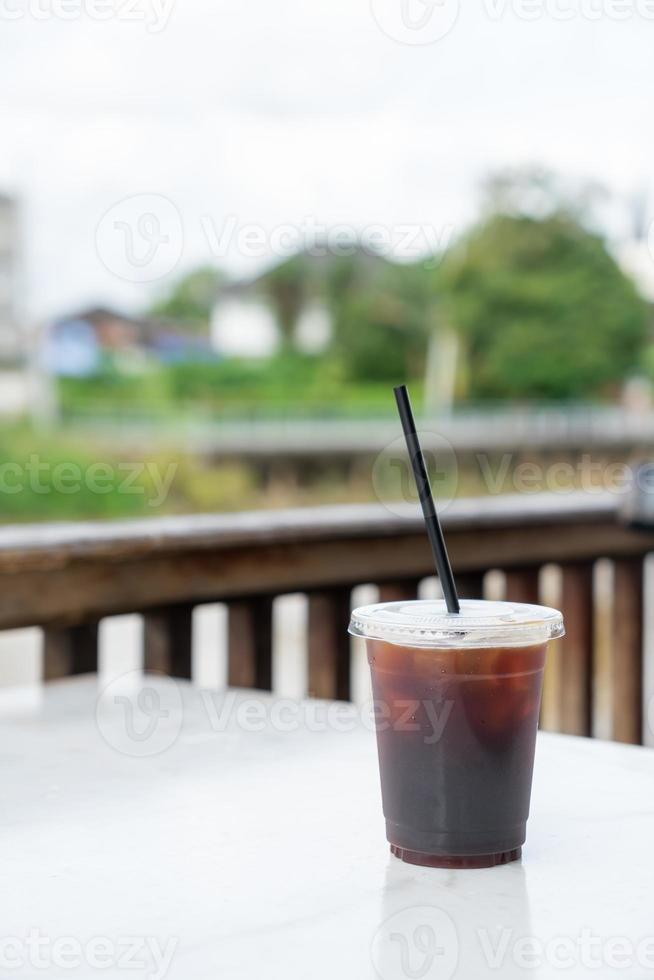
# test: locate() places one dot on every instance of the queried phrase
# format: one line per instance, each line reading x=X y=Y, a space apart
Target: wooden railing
x=66 y=578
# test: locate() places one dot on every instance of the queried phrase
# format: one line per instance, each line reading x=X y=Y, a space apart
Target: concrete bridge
x=569 y=429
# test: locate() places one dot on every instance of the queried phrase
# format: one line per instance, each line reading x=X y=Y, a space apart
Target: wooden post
x=576 y=650
x=70 y=650
x=627 y=652
x=329 y=645
x=522 y=584
x=470 y=585
x=167 y=641
x=250 y=643
x=398 y=591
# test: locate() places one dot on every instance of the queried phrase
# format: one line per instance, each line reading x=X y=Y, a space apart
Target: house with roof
x=288 y=303
x=12 y=342
x=81 y=343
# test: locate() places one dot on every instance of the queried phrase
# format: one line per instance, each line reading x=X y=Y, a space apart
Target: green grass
x=288 y=386
x=46 y=477
x=52 y=477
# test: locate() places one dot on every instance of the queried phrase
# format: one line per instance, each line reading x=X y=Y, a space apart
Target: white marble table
x=192 y=836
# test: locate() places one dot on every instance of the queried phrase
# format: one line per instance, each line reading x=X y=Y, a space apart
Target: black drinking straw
x=434 y=530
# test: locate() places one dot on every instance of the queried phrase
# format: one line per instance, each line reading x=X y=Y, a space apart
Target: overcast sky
x=224 y=131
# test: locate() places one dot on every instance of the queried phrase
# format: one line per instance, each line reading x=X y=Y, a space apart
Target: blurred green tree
x=542 y=308
x=374 y=307
x=529 y=303
x=191 y=299
x=380 y=313
x=287 y=287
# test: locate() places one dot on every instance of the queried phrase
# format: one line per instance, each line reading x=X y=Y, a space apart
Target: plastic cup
x=457 y=699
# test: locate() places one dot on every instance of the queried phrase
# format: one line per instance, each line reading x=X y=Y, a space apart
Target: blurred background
x=227 y=230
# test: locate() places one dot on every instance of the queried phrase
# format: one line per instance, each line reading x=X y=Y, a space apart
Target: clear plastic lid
x=427 y=623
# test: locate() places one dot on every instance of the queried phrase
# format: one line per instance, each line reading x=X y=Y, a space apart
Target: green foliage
x=54 y=478
x=190 y=301
x=375 y=309
x=287 y=385
x=374 y=341
x=286 y=287
x=647 y=362
x=544 y=309
x=200 y=487
x=116 y=387
x=381 y=317
x=238 y=385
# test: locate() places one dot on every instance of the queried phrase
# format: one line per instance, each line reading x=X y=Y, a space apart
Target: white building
x=15 y=387
x=11 y=341
x=244 y=321
x=243 y=325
